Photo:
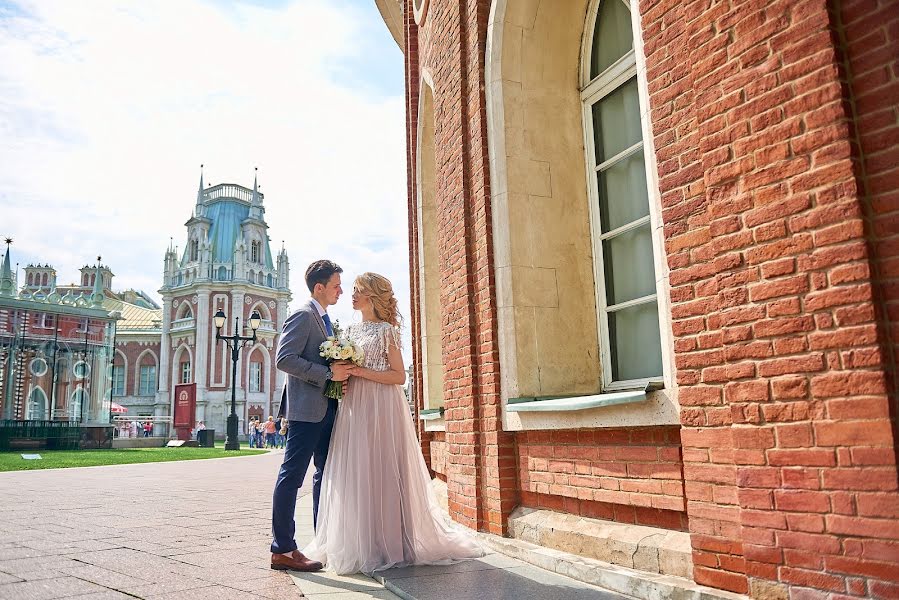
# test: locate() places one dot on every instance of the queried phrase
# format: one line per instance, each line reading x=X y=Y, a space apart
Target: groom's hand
x=340 y=371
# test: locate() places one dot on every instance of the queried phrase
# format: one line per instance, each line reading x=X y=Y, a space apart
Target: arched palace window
x=624 y=261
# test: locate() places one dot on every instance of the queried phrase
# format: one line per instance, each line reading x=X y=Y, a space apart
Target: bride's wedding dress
x=377 y=509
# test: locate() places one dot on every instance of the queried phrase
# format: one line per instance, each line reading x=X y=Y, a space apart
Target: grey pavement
x=192 y=529
x=201 y=529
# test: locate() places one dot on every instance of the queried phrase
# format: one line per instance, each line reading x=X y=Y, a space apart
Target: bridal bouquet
x=339 y=347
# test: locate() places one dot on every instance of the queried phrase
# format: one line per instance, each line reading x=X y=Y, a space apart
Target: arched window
x=119 y=369
x=76 y=404
x=626 y=283
x=45 y=280
x=147 y=380
x=255 y=254
x=185 y=311
x=31 y=279
x=255 y=382
x=269 y=281
x=260 y=278
x=223 y=274
x=37 y=407
x=194 y=250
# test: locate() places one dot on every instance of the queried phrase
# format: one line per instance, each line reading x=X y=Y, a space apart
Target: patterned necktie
x=327 y=321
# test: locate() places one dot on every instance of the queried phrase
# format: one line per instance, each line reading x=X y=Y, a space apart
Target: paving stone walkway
x=201 y=530
x=182 y=530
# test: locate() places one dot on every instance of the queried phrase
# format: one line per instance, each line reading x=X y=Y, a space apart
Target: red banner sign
x=185 y=407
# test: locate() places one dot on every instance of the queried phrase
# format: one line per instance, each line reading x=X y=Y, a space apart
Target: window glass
x=612 y=36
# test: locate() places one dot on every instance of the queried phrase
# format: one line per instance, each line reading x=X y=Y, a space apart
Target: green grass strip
x=56 y=459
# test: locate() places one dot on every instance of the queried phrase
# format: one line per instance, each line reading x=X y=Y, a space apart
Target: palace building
x=653 y=251
x=227 y=263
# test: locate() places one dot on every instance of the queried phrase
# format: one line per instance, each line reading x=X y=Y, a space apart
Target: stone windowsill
x=432 y=419
x=576 y=403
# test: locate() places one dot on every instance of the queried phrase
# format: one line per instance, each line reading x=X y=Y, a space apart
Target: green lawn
x=54 y=459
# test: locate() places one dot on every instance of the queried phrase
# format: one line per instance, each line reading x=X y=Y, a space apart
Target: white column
x=237 y=310
x=165 y=344
x=202 y=348
x=164 y=402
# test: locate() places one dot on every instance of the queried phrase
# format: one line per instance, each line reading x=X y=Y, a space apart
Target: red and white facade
x=757 y=412
x=227 y=264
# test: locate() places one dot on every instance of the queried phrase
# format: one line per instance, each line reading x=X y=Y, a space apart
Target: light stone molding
x=420 y=11
x=540 y=206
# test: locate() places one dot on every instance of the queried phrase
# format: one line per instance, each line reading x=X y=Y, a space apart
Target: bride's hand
x=357 y=371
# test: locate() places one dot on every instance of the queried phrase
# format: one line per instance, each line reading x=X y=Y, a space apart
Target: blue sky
x=108 y=108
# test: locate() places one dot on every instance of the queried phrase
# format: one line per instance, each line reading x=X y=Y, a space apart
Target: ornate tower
x=226 y=264
x=40 y=277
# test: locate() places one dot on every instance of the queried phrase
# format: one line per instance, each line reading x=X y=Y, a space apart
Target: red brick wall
x=481 y=464
x=133 y=351
x=784 y=402
x=868 y=35
x=627 y=475
x=776 y=165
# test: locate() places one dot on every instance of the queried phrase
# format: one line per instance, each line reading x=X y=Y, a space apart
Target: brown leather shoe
x=295 y=562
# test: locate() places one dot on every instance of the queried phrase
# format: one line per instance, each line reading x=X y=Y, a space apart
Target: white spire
x=7 y=284
x=201 y=197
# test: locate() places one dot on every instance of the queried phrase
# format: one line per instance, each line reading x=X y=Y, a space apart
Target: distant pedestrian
x=260 y=434
x=134 y=429
x=251 y=432
x=270 y=429
x=148 y=428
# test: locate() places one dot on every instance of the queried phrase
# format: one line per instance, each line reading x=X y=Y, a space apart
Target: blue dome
x=226 y=216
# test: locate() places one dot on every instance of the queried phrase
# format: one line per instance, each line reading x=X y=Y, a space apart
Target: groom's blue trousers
x=305 y=442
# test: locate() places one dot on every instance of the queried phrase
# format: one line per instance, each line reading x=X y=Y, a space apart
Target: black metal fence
x=52 y=435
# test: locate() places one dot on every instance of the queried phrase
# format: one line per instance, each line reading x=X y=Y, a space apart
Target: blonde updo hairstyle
x=378 y=289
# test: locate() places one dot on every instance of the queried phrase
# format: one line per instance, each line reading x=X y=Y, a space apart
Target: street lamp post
x=235 y=343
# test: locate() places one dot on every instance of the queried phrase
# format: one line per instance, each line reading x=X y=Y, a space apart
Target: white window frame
x=118 y=377
x=255 y=377
x=593 y=91
x=147 y=386
x=75 y=415
x=185 y=372
x=83 y=325
x=44 y=321
x=29 y=412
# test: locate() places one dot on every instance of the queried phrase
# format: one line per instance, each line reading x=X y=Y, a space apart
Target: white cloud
x=107 y=109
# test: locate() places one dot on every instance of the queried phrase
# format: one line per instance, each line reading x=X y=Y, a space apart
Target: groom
x=309 y=412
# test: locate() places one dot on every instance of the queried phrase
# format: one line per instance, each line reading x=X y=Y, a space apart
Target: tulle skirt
x=377 y=509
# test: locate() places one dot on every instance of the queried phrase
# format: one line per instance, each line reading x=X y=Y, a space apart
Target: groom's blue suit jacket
x=298 y=356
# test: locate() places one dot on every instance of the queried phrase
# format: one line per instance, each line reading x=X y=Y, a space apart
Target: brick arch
x=119 y=353
x=263 y=309
x=261 y=351
x=137 y=365
x=185 y=311
x=176 y=363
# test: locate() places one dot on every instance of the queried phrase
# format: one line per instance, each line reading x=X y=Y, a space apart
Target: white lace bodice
x=375 y=338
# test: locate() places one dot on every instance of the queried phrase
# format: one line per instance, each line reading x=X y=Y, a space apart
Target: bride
x=377 y=507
